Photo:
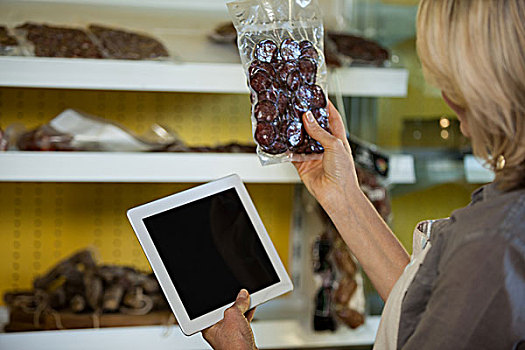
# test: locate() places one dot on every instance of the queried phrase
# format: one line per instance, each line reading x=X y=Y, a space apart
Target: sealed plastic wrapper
x=9 y=44
x=95 y=41
x=339 y=297
x=281 y=47
x=73 y=130
x=3 y=141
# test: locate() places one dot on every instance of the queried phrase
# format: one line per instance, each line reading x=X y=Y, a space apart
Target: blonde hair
x=474 y=51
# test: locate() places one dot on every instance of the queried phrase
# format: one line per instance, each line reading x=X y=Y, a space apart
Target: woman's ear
x=460 y=112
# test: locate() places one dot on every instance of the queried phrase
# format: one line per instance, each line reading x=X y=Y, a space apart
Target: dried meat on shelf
x=95 y=41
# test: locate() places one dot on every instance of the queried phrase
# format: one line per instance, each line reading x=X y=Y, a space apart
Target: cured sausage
x=290 y=50
x=265 y=111
x=282 y=78
x=266 y=51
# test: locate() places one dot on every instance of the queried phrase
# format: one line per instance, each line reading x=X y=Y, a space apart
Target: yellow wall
x=199 y=119
x=432 y=203
x=41 y=223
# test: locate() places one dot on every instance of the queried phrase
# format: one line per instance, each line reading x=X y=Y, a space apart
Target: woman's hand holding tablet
x=205 y=244
x=234 y=331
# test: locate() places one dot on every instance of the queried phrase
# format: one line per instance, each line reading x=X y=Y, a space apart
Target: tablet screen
x=211 y=250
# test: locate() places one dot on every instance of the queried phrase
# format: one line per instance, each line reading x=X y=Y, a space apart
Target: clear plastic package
x=3 y=141
x=73 y=130
x=9 y=44
x=95 y=41
x=124 y=44
x=43 y=40
x=281 y=47
x=340 y=297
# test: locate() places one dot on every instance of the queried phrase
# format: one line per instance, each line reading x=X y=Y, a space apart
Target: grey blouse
x=469 y=293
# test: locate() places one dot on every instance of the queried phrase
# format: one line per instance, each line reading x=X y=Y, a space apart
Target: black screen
x=211 y=251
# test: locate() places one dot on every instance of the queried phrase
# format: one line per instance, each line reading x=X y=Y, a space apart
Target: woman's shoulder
x=491 y=212
x=492 y=219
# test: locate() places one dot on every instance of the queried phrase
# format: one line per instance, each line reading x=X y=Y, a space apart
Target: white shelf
x=369 y=82
x=279 y=334
x=401 y=169
x=475 y=172
x=138 y=167
x=63 y=73
x=198 y=65
x=158 y=167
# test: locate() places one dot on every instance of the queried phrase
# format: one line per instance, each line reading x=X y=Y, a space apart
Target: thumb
x=243 y=301
x=316 y=132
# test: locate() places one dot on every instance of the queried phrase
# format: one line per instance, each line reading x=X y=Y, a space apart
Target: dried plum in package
x=281 y=47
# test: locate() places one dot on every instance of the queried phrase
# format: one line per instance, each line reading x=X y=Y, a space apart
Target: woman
x=464 y=287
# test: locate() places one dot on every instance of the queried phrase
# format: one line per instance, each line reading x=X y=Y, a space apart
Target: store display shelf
x=205 y=77
x=443 y=169
x=279 y=334
x=197 y=64
x=63 y=73
x=475 y=172
x=401 y=169
x=157 y=167
x=439 y=167
x=138 y=167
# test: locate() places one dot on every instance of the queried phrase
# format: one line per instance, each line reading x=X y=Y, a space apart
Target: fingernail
x=243 y=294
x=310 y=117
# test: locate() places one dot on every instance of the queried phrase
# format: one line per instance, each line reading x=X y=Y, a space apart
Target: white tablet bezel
x=136 y=216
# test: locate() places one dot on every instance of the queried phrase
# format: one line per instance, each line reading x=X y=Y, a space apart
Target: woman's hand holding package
x=332 y=180
x=328 y=178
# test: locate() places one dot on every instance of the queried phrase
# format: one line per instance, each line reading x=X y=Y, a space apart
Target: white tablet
x=205 y=244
